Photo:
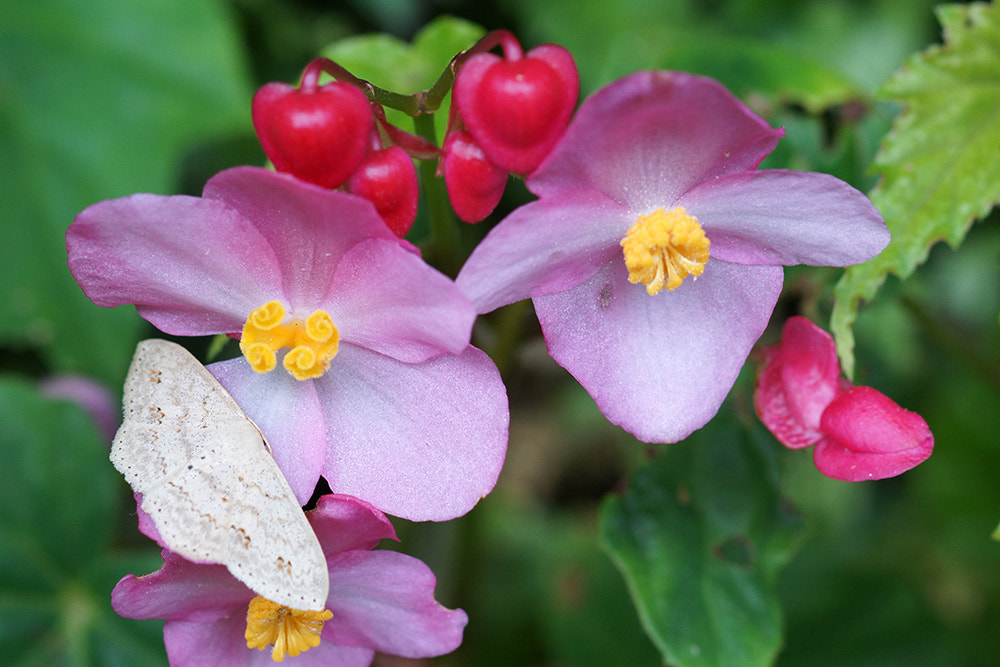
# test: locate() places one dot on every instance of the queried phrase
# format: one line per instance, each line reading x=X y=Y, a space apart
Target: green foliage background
x=594 y=549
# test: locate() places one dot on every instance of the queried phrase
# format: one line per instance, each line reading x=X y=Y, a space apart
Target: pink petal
x=223 y=644
x=787 y=217
x=181 y=590
x=659 y=366
x=799 y=378
x=422 y=441
x=387 y=299
x=288 y=412
x=544 y=247
x=308 y=228
x=385 y=600
x=176 y=259
x=344 y=523
x=870 y=437
x=646 y=139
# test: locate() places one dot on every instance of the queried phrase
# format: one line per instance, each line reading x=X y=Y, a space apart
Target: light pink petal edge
x=387 y=299
x=543 y=247
x=385 y=600
x=787 y=217
x=647 y=138
x=191 y=266
x=659 y=366
x=421 y=441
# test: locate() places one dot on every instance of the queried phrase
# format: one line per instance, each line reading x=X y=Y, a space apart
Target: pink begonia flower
x=393 y=405
x=655 y=182
x=381 y=600
x=859 y=433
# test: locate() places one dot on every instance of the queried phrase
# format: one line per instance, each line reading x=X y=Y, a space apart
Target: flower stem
x=444 y=243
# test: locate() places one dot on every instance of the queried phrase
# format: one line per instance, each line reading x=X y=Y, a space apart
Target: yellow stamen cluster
x=663 y=248
x=313 y=342
x=291 y=631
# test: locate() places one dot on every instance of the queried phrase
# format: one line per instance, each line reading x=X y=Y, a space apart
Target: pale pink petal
x=308 y=228
x=646 y=139
x=543 y=247
x=344 y=523
x=422 y=441
x=385 y=600
x=868 y=436
x=787 y=217
x=223 y=644
x=191 y=266
x=659 y=365
x=387 y=299
x=181 y=589
x=799 y=378
x=288 y=412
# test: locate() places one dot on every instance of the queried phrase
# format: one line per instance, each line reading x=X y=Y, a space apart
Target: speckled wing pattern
x=209 y=482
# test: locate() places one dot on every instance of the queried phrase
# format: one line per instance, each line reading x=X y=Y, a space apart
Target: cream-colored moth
x=209 y=482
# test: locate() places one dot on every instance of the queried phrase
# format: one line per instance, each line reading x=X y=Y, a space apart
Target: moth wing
x=209 y=483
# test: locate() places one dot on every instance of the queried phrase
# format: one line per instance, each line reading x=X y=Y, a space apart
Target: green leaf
x=747 y=58
x=402 y=68
x=940 y=165
x=57 y=497
x=98 y=100
x=750 y=66
x=700 y=537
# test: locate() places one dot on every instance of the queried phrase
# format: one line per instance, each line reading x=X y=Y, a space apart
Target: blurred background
x=105 y=98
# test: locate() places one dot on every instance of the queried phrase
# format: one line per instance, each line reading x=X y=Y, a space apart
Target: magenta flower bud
x=859 y=433
x=798 y=379
x=868 y=436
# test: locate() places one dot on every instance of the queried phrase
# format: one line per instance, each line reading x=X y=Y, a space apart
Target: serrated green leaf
x=700 y=537
x=97 y=100
x=940 y=164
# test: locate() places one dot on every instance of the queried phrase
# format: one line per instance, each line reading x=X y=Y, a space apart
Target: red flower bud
x=517 y=109
x=388 y=179
x=319 y=134
x=474 y=183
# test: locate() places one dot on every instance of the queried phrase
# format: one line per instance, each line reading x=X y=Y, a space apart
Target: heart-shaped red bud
x=388 y=179
x=474 y=183
x=319 y=135
x=518 y=109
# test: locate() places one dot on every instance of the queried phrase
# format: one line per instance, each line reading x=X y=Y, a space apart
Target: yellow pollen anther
x=663 y=248
x=292 y=631
x=313 y=343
